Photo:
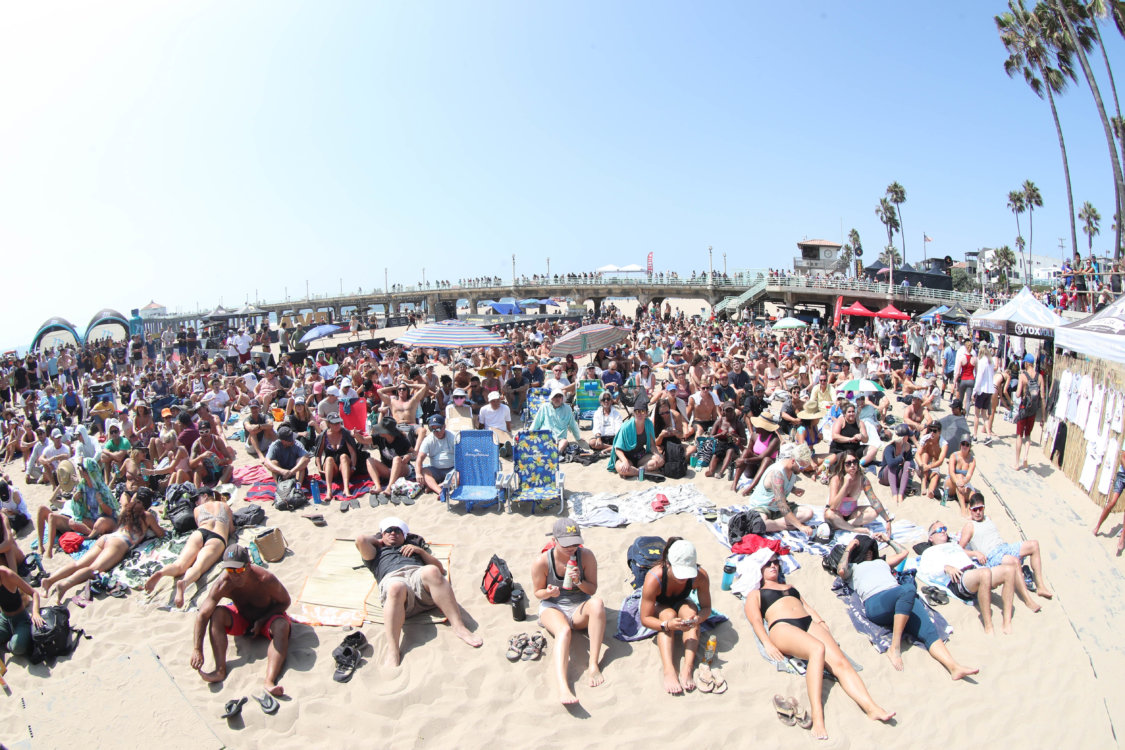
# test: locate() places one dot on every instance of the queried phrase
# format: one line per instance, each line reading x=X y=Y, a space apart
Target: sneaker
x=988 y=440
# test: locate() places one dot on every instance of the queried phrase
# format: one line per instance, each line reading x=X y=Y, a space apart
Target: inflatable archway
x=108 y=317
x=55 y=328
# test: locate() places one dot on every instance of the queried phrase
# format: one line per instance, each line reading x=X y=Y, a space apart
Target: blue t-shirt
x=949 y=360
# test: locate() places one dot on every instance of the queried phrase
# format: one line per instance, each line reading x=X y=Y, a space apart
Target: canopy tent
x=1023 y=315
x=108 y=317
x=220 y=313
x=955 y=314
x=935 y=310
x=856 y=308
x=250 y=311
x=607 y=269
x=56 y=326
x=631 y=268
x=1100 y=335
x=892 y=312
x=505 y=308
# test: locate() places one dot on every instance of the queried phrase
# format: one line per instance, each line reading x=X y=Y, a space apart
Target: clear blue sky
x=192 y=152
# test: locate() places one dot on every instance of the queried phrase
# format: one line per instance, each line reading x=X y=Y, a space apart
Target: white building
x=1038 y=267
x=152 y=310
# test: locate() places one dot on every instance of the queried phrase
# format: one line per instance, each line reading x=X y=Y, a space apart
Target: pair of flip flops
x=233 y=708
x=524 y=647
x=316 y=518
x=710 y=679
x=790 y=713
x=348 y=655
x=934 y=596
x=346 y=505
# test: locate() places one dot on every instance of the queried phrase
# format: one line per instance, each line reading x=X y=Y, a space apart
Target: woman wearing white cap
x=668 y=608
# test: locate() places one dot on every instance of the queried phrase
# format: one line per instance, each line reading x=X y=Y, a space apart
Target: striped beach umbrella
x=860 y=385
x=451 y=334
x=589 y=339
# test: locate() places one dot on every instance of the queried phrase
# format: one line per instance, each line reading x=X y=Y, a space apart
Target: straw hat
x=812 y=410
x=488 y=372
x=67 y=476
x=762 y=423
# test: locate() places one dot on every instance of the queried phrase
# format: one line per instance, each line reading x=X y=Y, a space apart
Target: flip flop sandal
x=935 y=596
x=268 y=703
x=659 y=506
x=316 y=518
x=655 y=478
x=720 y=681
x=527 y=653
x=345 y=506
x=802 y=716
x=354 y=503
x=703 y=679
x=233 y=708
x=374 y=500
x=347 y=660
x=786 y=709
x=710 y=516
x=407 y=500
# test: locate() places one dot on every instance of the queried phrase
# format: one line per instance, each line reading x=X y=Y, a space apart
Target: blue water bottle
x=728 y=576
x=314 y=486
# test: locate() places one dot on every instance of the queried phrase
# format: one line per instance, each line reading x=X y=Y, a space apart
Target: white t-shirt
x=440 y=452
x=243 y=342
x=931 y=565
x=51 y=451
x=495 y=418
x=216 y=402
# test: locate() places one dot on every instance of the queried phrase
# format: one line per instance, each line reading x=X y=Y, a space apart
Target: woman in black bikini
x=793 y=628
x=214 y=523
x=667 y=608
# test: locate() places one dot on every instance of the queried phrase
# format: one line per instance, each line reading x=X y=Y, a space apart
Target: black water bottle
x=519 y=604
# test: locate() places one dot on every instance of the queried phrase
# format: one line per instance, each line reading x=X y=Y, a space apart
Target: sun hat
x=460 y=392
x=811 y=411
x=66 y=476
x=682 y=559
x=762 y=423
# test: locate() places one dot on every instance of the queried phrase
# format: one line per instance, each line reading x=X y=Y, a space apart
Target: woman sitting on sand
x=667 y=608
x=892 y=604
x=793 y=628
x=91 y=510
x=136 y=521
x=846 y=484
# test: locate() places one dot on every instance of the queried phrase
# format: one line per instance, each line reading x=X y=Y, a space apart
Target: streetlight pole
x=513 y=269
x=710 y=267
x=386 y=282
x=724 y=264
x=307 y=289
x=423 y=277
x=548 y=268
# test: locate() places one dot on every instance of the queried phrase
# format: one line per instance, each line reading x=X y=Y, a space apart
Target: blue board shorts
x=996 y=554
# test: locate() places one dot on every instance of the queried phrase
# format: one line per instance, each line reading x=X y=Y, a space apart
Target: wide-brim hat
x=763 y=423
x=811 y=412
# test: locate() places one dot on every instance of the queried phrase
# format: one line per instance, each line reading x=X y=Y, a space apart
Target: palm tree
x=890 y=256
x=897 y=195
x=849 y=252
x=886 y=213
x=1030 y=56
x=1003 y=261
x=1033 y=199
x=1090 y=220
x=1076 y=33
x=1017 y=206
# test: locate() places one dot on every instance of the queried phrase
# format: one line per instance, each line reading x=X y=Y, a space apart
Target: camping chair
x=536 y=477
x=587 y=398
x=535 y=398
x=475 y=479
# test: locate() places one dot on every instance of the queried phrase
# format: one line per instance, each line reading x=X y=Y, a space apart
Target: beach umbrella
x=861 y=385
x=451 y=334
x=786 y=324
x=589 y=339
x=320 y=332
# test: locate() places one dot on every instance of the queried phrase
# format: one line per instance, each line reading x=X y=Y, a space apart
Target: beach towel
x=880 y=636
x=341 y=590
x=359 y=489
x=355 y=417
x=793 y=665
x=251 y=474
x=262 y=492
x=629 y=627
x=636 y=507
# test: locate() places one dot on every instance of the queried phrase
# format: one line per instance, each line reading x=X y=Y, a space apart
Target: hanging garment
x=1059 y=445
x=1094 y=420
x=1063 y=397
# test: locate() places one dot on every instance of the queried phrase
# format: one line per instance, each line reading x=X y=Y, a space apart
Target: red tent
x=892 y=312
x=857 y=309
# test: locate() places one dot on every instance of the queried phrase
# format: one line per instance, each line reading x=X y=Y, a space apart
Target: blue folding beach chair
x=536 y=397
x=475 y=479
x=536 y=478
x=587 y=398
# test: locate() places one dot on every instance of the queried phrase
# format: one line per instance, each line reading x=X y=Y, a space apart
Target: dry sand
x=1055 y=680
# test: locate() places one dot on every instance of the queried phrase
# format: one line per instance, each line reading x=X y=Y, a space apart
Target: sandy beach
x=1054 y=680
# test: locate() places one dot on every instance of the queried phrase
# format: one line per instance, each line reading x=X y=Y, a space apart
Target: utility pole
x=513 y=269
x=1062 y=250
x=386 y=282
x=423 y=277
x=724 y=264
x=307 y=289
x=548 y=268
x=710 y=267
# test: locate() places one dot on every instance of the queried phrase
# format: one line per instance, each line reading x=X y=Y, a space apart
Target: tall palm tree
x=886 y=213
x=1090 y=220
x=1017 y=206
x=1077 y=33
x=890 y=256
x=848 y=253
x=1003 y=261
x=897 y=195
x=1034 y=199
x=1030 y=56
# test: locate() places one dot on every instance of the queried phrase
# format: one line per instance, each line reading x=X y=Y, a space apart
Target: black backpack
x=675 y=461
x=743 y=523
x=831 y=561
x=179 y=508
x=644 y=554
x=55 y=638
x=251 y=515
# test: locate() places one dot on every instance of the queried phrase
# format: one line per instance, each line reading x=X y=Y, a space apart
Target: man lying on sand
x=257 y=608
x=411 y=580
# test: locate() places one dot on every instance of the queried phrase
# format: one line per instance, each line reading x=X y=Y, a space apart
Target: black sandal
x=268 y=703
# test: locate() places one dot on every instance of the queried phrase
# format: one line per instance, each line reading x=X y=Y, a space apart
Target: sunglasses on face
x=850 y=463
x=238 y=571
x=774 y=561
x=939 y=530
x=393 y=530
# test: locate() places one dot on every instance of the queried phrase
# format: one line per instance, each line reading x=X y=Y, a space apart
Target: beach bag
x=831 y=561
x=271 y=545
x=496 y=585
x=743 y=523
x=251 y=515
x=55 y=637
x=675 y=461
x=644 y=553
x=289 y=496
x=179 y=509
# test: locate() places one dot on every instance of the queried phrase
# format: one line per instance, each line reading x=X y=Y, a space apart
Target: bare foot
x=472 y=639
x=672 y=683
x=150 y=584
x=178 y=601
x=596 y=676
x=217 y=676
x=1006 y=628
x=818 y=730
x=879 y=714
x=1046 y=593
x=394 y=657
x=988 y=630
x=896 y=659
x=275 y=690
x=961 y=673
x=686 y=678
x=567 y=697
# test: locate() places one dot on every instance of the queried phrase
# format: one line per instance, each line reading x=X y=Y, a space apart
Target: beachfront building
x=153 y=310
x=818 y=258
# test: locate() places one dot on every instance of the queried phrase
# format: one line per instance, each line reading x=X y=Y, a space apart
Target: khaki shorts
x=418 y=599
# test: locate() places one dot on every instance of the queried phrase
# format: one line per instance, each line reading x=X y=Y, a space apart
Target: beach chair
x=536 y=397
x=587 y=398
x=475 y=479
x=536 y=477
x=704 y=450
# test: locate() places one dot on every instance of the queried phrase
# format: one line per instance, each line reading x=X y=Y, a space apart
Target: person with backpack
x=565 y=580
x=1029 y=396
x=19 y=610
x=668 y=608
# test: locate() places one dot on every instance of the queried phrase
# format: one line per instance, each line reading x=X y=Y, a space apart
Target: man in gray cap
x=258 y=608
x=286 y=458
x=52 y=455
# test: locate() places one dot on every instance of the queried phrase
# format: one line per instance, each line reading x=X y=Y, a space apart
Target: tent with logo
x=1023 y=315
x=1100 y=336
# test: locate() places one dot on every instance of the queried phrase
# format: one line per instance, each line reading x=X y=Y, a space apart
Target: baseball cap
x=254 y=403
x=56 y=433
x=285 y=432
x=903 y=430
x=166 y=412
x=436 y=420
x=682 y=560
x=392 y=522
x=332 y=391
x=297 y=401
x=235 y=556
x=788 y=450
x=1029 y=359
x=459 y=392
x=494 y=395
x=566 y=533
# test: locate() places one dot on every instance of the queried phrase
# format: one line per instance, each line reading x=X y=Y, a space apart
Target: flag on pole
x=928 y=238
x=836 y=313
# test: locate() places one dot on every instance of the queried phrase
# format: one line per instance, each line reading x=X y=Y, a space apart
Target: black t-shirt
x=740 y=380
x=390 y=559
x=535 y=378
x=754 y=405
x=396 y=444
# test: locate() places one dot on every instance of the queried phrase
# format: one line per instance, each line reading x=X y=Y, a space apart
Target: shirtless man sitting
x=258 y=604
x=914 y=415
x=703 y=408
x=209 y=462
x=205 y=545
x=402 y=401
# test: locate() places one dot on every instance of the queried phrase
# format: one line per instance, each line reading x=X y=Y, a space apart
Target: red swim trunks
x=239 y=624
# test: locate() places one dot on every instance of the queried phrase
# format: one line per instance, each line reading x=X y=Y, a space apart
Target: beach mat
x=341 y=590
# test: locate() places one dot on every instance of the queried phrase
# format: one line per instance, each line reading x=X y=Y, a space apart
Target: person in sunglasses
x=945 y=563
x=258 y=608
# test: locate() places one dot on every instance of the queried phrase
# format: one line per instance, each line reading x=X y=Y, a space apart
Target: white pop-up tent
x=1023 y=315
x=1101 y=335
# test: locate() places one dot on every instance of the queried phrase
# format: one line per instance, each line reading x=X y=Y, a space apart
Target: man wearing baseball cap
x=411 y=580
x=565 y=579
x=258 y=608
x=286 y=458
x=438 y=446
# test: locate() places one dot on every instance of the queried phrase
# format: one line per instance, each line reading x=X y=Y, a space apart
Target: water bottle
x=710 y=648
x=641 y=474
x=570 y=578
x=519 y=605
x=728 y=576
x=314 y=486
x=257 y=558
